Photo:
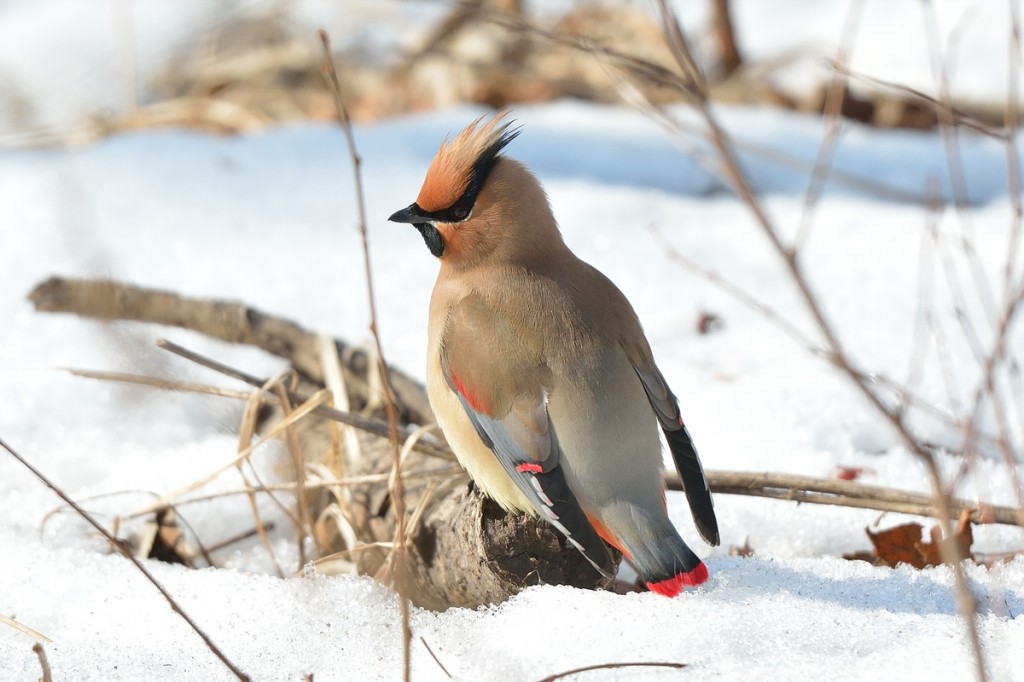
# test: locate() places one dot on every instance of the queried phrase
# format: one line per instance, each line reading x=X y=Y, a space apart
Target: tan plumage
x=538 y=369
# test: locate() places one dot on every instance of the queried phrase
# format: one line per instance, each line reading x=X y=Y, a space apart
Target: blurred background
x=73 y=70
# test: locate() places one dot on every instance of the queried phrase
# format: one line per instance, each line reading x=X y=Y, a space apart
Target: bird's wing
x=503 y=387
x=695 y=483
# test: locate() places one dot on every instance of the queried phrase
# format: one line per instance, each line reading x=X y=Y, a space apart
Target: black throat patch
x=431 y=237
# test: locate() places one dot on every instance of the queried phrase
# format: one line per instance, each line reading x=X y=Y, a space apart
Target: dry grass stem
x=246 y=433
x=21 y=627
x=307 y=407
x=313 y=484
x=156 y=382
x=335 y=382
x=373 y=426
x=304 y=526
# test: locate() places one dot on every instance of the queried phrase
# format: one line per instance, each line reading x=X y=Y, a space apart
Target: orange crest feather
x=452 y=168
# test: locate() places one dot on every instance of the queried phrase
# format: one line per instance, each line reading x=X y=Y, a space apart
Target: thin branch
x=374 y=426
x=128 y=555
x=642 y=70
x=902 y=392
x=390 y=408
x=958 y=117
x=1011 y=125
x=44 y=664
x=844 y=494
x=436 y=659
x=838 y=355
x=954 y=160
x=610 y=666
x=834 y=98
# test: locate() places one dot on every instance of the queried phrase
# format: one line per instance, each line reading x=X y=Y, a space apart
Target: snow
x=269 y=220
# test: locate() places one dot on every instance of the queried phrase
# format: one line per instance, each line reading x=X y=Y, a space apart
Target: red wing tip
x=530 y=467
x=673 y=586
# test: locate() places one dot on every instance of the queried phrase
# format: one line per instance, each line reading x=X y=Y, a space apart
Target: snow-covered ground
x=270 y=220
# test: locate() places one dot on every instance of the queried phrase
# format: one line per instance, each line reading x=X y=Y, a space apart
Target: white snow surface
x=270 y=219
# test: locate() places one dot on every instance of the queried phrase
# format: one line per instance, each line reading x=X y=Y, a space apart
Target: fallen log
x=228 y=321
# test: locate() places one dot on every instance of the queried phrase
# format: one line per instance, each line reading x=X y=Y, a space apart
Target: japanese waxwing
x=539 y=373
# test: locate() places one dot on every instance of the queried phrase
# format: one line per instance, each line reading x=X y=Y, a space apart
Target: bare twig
x=1011 y=125
x=903 y=392
x=646 y=71
x=954 y=161
x=610 y=666
x=373 y=426
x=695 y=85
x=44 y=664
x=844 y=494
x=436 y=659
x=834 y=97
x=957 y=116
x=397 y=488
x=128 y=555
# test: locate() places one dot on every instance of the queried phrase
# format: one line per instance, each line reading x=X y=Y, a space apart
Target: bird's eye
x=461 y=213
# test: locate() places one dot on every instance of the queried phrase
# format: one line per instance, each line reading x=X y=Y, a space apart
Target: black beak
x=410 y=214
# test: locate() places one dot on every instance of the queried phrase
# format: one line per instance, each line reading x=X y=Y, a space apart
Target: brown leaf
x=904 y=544
x=898 y=545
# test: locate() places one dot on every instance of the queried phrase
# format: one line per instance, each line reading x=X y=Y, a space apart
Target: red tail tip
x=673 y=586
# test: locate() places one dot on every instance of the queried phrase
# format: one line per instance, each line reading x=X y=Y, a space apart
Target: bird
x=539 y=373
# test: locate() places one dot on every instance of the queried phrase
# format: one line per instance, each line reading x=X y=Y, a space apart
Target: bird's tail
x=666 y=564
x=695 y=483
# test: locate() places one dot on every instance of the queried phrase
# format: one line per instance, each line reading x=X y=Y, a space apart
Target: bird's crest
x=461 y=165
